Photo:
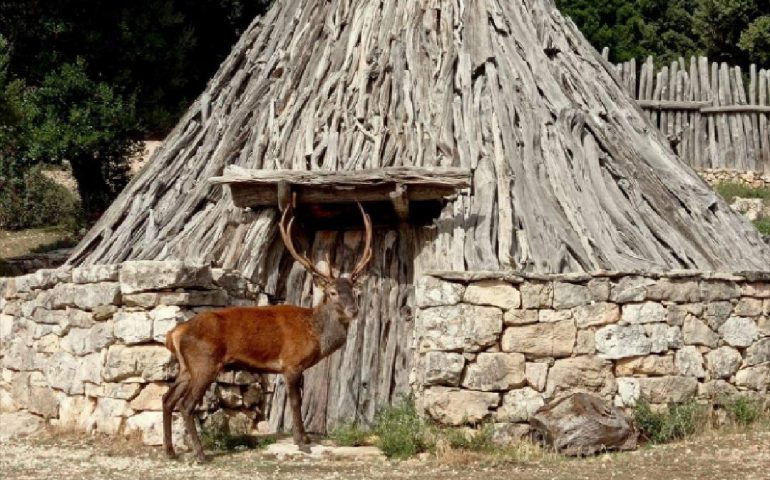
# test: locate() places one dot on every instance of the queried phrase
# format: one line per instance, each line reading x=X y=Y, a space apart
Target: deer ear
x=360 y=281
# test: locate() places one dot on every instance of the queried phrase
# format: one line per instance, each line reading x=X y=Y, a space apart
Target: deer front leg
x=293 y=381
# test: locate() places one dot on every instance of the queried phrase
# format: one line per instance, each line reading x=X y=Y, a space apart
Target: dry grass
x=24 y=242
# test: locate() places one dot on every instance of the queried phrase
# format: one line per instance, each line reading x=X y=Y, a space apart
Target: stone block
x=441 y=368
x=536 y=374
x=756 y=290
x=616 y=341
x=541 y=340
x=433 y=292
x=536 y=295
x=581 y=374
x=711 y=290
x=145 y=276
x=100 y=336
x=495 y=371
x=193 y=298
x=493 y=293
x=586 y=342
x=520 y=317
x=550 y=316
x=455 y=407
x=629 y=391
x=164 y=319
x=599 y=288
x=75 y=413
x=95 y=274
x=695 y=332
x=658 y=334
x=672 y=389
x=568 y=295
x=648 y=312
x=461 y=327
x=723 y=362
x=519 y=405
x=630 y=289
x=748 y=307
x=739 y=331
x=150 y=426
x=689 y=362
x=755 y=378
x=88 y=297
x=109 y=415
x=150 y=398
x=596 y=315
x=763 y=324
x=759 y=352
x=145 y=363
x=717 y=313
x=676 y=314
x=653 y=365
x=716 y=390
x=674 y=290
x=133 y=327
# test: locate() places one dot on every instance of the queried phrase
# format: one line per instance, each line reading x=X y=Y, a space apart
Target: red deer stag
x=277 y=339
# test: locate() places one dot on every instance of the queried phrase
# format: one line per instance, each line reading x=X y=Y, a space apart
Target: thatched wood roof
x=568 y=174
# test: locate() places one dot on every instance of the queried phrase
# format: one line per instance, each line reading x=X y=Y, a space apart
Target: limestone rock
x=192 y=298
x=88 y=297
x=672 y=389
x=550 y=316
x=581 y=373
x=62 y=373
x=716 y=390
x=599 y=288
x=689 y=362
x=537 y=375
x=596 y=315
x=717 y=313
x=18 y=425
x=649 y=312
x=723 y=362
x=653 y=365
x=150 y=398
x=133 y=327
x=75 y=413
x=585 y=343
x=147 y=363
x=150 y=426
x=759 y=352
x=460 y=327
x=109 y=415
x=520 y=317
x=495 y=371
x=629 y=391
x=756 y=290
x=519 y=405
x=442 y=368
x=676 y=314
x=630 y=289
x=695 y=332
x=536 y=294
x=659 y=337
x=748 y=307
x=100 y=336
x=719 y=290
x=494 y=293
x=581 y=424
x=95 y=274
x=505 y=434
x=458 y=407
x=674 y=290
x=616 y=341
x=568 y=295
x=739 y=331
x=541 y=340
x=756 y=378
x=144 y=276
x=432 y=292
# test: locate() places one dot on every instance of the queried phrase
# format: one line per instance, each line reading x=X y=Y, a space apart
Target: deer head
x=338 y=291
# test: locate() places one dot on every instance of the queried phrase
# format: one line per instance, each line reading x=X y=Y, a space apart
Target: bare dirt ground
x=722 y=456
x=16 y=244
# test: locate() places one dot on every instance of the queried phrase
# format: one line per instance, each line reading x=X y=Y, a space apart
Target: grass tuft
x=675 y=422
x=743 y=410
x=401 y=433
x=731 y=191
x=350 y=435
x=221 y=441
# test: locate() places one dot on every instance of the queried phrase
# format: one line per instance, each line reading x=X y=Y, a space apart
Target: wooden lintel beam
x=283 y=194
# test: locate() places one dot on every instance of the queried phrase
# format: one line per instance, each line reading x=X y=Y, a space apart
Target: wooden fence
x=713 y=115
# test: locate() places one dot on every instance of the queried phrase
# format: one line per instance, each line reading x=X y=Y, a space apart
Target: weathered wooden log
x=582 y=425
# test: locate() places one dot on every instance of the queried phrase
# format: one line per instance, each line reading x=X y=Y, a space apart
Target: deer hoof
x=304 y=448
x=171 y=454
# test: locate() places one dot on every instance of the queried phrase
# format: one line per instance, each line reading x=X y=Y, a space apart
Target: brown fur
x=280 y=339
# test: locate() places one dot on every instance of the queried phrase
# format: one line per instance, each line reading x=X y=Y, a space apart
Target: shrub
x=35 y=201
x=223 y=441
x=400 y=430
x=743 y=410
x=676 y=422
x=477 y=440
x=350 y=435
x=763 y=226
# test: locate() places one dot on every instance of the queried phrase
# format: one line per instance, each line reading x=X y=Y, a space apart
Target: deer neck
x=331 y=326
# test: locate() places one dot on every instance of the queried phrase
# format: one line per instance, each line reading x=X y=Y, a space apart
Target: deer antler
x=285 y=229
x=367 y=255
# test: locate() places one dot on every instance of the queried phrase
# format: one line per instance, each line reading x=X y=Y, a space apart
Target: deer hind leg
x=199 y=383
x=170 y=400
x=293 y=385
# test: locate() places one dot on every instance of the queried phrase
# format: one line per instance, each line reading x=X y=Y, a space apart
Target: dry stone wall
x=83 y=348
x=496 y=347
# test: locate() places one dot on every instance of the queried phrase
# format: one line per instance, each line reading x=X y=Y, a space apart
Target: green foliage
x=400 y=430
x=350 y=435
x=476 y=440
x=763 y=226
x=755 y=40
x=743 y=410
x=35 y=201
x=79 y=120
x=675 y=422
x=731 y=191
x=223 y=441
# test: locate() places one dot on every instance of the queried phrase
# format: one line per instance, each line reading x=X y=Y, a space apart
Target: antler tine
x=289 y=243
x=367 y=255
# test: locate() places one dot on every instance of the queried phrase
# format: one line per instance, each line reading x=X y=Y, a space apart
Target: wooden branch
x=672 y=105
x=400 y=200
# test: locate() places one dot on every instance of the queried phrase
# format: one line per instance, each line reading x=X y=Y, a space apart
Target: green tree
x=76 y=119
x=755 y=41
x=719 y=24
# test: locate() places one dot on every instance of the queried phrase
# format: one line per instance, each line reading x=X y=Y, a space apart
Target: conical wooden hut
x=567 y=173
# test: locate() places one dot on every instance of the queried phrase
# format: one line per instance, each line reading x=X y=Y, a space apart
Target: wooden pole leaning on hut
x=282 y=339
